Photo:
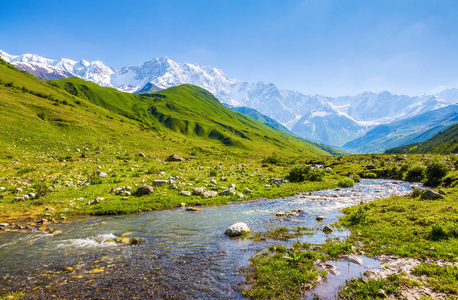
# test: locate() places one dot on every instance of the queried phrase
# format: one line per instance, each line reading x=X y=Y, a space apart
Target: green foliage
x=213 y=173
x=441 y=278
x=415 y=173
x=25 y=170
x=335 y=248
x=277 y=159
x=346 y=182
x=367 y=174
x=362 y=289
x=304 y=172
x=357 y=217
x=41 y=188
x=276 y=276
x=435 y=171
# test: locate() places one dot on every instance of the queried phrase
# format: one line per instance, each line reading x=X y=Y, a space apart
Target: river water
x=182 y=255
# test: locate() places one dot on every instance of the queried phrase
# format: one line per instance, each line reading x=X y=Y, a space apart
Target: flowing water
x=182 y=255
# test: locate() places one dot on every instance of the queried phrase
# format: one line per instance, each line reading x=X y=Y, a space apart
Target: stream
x=182 y=254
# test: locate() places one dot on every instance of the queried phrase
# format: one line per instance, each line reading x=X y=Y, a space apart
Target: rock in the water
x=320 y=218
x=198 y=191
x=123 y=240
x=159 y=182
x=327 y=229
x=432 y=195
x=144 y=190
x=353 y=259
x=209 y=194
x=193 y=209
x=135 y=241
x=174 y=157
x=236 y=229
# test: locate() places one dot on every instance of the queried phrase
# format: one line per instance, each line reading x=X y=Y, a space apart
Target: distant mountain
x=333 y=121
x=407 y=131
x=444 y=142
x=449 y=95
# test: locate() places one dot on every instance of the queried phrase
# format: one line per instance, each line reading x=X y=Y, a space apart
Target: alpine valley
x=339 y=122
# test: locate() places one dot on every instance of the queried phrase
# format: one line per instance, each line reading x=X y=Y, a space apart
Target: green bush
x=368 y=175
x=346 y=182
x=415 y=173
x=437 y=233
x=41 y=189
x=276 y=159
x=435 y=171
x=213 y=173
x=304 y=172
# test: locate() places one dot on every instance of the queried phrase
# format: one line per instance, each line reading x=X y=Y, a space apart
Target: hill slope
x=69 y=112
x=407 y=131
x=442 y=143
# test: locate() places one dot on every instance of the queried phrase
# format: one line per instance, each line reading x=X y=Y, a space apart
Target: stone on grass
x=159 y=182
x=198 y=191
x=141 y=154
x=174 y=157
x=185 y=193
x=236 y=229
x=432 y=195
x=247 y=191
x=209 y=194
x=240 y=195
x=371 y=166
x=144 y=190
x=229 y=191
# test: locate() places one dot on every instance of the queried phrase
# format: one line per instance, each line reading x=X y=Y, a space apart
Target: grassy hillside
x=194 y=114
x=260 y=117
x=412 y=130
x=442 y=143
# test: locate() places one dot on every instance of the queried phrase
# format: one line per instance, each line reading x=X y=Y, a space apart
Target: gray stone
x=141 y=154
x=198 y=191
x=144 y=190
x=430 y=194
x=240 y=195
x=247 y=191
x=320 y=218
x=32 y=195
x=442 y=192
x=327 y=229
x=185 y=193
x=353 y=259
x=229 y=191
x=209 y=194
x=236 y=229
x=159 y=182
x=174 y=157
x=371 y=166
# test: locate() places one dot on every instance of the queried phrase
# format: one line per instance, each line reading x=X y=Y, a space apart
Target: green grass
x=282 y=275
x=441 y=278
x=365 y=289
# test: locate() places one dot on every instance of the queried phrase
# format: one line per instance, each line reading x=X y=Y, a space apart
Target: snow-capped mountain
x=333 y=121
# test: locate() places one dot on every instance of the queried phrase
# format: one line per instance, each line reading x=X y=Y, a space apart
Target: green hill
x=444 y=142
x=185 y=119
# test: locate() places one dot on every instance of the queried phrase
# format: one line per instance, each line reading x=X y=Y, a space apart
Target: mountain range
x=334 y=121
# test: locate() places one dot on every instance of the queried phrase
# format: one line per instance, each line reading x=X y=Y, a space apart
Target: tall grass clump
x=302 y=173
x=435 y=171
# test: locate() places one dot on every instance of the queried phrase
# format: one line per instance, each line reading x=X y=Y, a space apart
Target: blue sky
x=316 y=47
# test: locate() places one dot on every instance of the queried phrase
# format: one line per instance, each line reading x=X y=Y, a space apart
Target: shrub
x=415 y=173
x=213 y=173
x=435 y=171
x=304 y=172
x=346 y=182
x=368 y=175
x=437 y=233
x=276 y=159
x=41 y=189
x=358 y=216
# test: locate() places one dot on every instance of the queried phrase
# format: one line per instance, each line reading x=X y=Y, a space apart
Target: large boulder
x=174 y=157
x=229 y=191
x=144 y=190
x=198 y=191
x=209 y=194
x=430 y=194
x=236 y=229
